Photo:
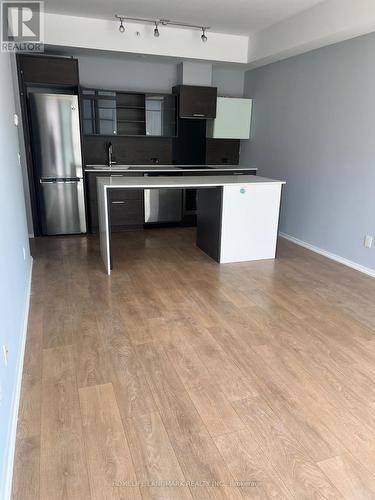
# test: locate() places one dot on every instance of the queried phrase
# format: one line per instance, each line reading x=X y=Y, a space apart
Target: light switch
x=368 y=241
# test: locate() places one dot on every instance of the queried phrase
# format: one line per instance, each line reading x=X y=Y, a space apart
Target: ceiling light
x=121 y=27
x=162 y=22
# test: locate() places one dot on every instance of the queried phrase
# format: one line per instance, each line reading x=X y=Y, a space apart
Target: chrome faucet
x=110 y=157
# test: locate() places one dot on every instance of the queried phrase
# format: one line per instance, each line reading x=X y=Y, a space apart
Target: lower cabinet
x=126 y=208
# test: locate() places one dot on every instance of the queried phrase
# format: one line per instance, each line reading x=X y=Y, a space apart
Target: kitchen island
x=237 y=220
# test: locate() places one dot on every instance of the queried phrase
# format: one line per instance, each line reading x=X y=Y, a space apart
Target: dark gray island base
x=209 y=207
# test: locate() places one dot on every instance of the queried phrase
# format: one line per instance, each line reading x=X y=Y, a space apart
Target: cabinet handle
x=118 y=202
x=116 y=175
x=199 y=114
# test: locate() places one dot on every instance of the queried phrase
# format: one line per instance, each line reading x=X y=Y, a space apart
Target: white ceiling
x=242 y=17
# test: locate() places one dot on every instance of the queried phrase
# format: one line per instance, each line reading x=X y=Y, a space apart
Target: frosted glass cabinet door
x=233 y=119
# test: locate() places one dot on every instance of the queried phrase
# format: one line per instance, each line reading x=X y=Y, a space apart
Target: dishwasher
x=162 y=205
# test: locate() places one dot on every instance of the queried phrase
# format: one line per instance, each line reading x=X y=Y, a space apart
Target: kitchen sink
x=132 y=167
x=106 y=167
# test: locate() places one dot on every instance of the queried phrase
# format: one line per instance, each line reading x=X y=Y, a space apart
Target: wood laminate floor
x=178 y=378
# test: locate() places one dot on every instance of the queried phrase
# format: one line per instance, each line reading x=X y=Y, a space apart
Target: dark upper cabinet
x=48 y=70
x=195 y=101
x=107 y=112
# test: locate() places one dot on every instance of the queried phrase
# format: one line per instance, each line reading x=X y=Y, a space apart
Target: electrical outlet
x=368 y=241
x=15 y=119
x=5 y=354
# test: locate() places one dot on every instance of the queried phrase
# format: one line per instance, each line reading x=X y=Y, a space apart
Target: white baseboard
x=16 y=397
x=329 y=255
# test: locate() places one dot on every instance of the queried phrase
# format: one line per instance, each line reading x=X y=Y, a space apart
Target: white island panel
x=250 y=218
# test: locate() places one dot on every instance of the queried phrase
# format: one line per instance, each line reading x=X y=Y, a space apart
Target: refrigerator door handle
x=69 y=181
x=59 y=181
x=47 y=181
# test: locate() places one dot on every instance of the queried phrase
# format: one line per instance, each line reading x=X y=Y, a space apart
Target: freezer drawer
x=63 y=207
x=163 y=205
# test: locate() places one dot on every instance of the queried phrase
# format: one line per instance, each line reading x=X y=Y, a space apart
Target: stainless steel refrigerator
x=56 y=147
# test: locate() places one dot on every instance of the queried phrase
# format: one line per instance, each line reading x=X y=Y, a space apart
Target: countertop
x=166 y=168
x=182 y=182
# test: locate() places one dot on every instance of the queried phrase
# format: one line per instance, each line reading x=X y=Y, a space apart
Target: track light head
x=121 y=27
x=204 y=37
x=156 y=30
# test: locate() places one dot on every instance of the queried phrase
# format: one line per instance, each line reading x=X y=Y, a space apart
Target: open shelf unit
x=131 y=113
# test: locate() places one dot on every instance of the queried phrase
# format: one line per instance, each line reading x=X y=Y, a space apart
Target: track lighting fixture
x=162 y=22
x=121 y=27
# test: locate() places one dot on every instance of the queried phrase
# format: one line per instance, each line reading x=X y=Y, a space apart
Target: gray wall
x=314 y=126
x=143 y=74
x=120 y=73
x=194 y=73
x=228 y=80
x=14 y=269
